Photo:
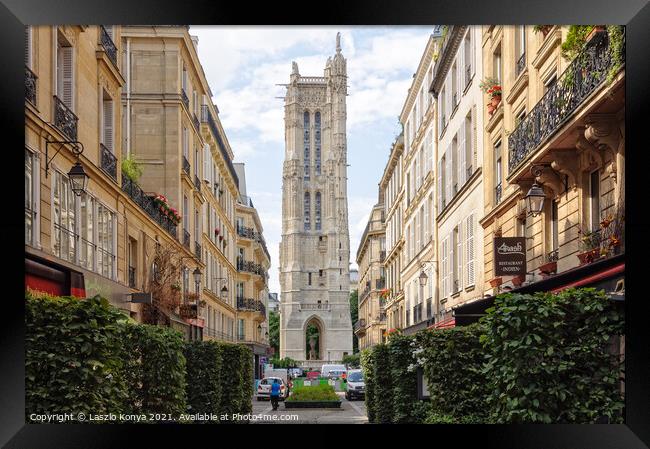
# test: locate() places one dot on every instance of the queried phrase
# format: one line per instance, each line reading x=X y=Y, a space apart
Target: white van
x=333 y=371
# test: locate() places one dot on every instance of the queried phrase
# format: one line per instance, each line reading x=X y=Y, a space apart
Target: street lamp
x=197 y=279
x=535 y=196
x=423 y=278
x=224 y=292
x=78 y=179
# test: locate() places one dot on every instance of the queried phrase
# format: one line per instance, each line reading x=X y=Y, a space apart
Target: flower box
x=517 y=281
x=594 y=31
x=548 y=268
x=588 y=256
x=494 y=283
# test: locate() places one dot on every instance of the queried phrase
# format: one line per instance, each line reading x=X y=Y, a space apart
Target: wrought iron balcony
x=108 y=162
x=497 y=194
x=581 y=78
x=213 y=333
x=521 y=64
x=197 y=183
x=186 y=101
x=197 y=250
x=65 y=119
x=552 y=256
x=186 y=166
x=147 y=204
x=108 y=44
x=246 y=232
x=132 y=277
x=30 y=86
x=250 y=267
x=251 y=305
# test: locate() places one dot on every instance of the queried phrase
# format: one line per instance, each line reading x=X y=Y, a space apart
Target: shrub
x=203 y=370
x=72 y=362
x=131 y=168
x=352 y=361
x=452 y=360
x=368 y=368
x=156 y=369
x=231 y=379
x=549 y=358
x=247 y=379
x=383 y=385
x=315 y=393
x=404 y=376
x=286 y=362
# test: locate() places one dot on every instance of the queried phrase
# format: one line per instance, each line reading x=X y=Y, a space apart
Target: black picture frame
x=635 y=14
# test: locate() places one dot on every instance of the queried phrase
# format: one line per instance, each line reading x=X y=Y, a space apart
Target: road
x=351 y=412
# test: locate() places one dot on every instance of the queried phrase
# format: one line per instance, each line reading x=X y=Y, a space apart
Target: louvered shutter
x=206 y=164
x=439 y=186
x=469 y=243
x=459 y=250
x=459 y=75
x=449 y=176
x=108 y=124
x=444 y=268
x=472 y=51
x=66 y=72
x=474 y=139
x=28 y=47
x=462 y=169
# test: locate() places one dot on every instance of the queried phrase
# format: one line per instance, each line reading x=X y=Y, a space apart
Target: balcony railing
x=132 y=277
x=206 y=117
x=186 y=238
x=186 y=101
x=251 y=305
x=552 y=256
x=246 y=232
x=521 y=64
x=108 y=44
x=30 y=86
x=578 y=81
x=197 y=183
x=213 y=333
x=108 y=162
x=197 y=250
x=147 y=204
x=361 y=324
x=250 y=267
x=65 y=119
x=186 y=166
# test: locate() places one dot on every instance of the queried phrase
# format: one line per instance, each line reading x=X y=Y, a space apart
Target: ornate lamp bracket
x=77 y=149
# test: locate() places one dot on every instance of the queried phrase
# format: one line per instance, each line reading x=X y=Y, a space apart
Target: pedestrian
x=275 y=393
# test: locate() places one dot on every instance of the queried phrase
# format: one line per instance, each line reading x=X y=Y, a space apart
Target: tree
x=274 y=331
x=354 y=315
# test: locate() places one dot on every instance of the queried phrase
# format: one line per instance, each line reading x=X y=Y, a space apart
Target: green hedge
x=247 y=383
x=368 y=368
x=231 y=379
x=314 y=393
x=452 y=361
x=402 y=368
x=70 y=356
x=383 y=385
x=549 y=358
x=203 y=375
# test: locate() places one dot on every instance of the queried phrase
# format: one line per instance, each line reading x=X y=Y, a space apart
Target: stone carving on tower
x=315 y=246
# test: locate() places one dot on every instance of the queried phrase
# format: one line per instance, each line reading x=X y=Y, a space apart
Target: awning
x=606 y=274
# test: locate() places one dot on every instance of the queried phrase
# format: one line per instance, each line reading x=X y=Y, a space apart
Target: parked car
x=313 y=375
x=333 y=371
x=264 y=388
x=356 y=387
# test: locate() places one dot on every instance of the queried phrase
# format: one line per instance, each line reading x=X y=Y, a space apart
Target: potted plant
x=492 y=87
x=601 y=242
x=131 y=169
x=216 y=231
x=595 y=30
x=495 y=282
x=544 y=29
x=517 y=281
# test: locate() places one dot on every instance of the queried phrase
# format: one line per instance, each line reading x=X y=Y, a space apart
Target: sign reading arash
x=509 y=256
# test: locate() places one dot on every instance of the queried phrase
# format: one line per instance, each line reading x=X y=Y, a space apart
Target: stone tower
x=315 y=246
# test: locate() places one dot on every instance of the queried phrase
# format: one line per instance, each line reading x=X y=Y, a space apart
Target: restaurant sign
x=509 y=256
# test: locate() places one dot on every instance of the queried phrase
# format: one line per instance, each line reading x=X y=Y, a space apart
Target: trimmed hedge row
x=368 y=368
x=84 y=356
x=402 y=361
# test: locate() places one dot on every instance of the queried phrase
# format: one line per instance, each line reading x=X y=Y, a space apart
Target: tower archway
x=314 y=338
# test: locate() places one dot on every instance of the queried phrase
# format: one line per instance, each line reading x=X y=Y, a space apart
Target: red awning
x=613 y=271
x=449 y=322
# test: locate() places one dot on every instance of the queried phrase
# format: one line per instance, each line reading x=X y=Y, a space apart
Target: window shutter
x=472 y=51
x=444 y=268
x=474 y=137
x=469 y=243
x=459 y=250
x=439 y=186
x=206 y=164
x=449 y=175
x=66 y=93
x=462 y=170
x=108 y=125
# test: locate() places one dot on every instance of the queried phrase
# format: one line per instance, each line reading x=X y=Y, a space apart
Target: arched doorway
x=314 y=339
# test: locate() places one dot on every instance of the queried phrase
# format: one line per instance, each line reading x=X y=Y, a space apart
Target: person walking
x=275 y=393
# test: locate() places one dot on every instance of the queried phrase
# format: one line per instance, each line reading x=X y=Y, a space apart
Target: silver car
x=355 y=386
x=264 y=388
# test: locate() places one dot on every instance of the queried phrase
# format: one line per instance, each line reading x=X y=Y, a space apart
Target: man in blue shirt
x=275 y=393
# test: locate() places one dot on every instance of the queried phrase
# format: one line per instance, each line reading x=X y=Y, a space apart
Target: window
x=594 y=200
x=87 y=232
x=456 y=258
x=64 y=217
x=496 y=64
x=64 y=72
x=442 y=103
x=445 y=267
x=307 y=212
x=423 y=225
x=554 y=226
x=469 y=247
x=417 y=219
x=520 y=49
x=468 y=144
x=442 y=182
x=497 y=172
x=186 y=211
x=105 y=241
x=308 y=278
x=426 y=220
x=454 y=166
x=317 y=141
x=240 y=329
x=317 y=212
x=469 y=54
x=454 y=86
x=186 y=144
x=32 y=198
x=240 y=290
x=196 y=162
x=107 y=121
x=307 y=145
x=550 y=82
x=184 y=78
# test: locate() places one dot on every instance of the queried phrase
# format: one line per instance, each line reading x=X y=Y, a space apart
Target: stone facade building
x=314 y=251
x=371 y=325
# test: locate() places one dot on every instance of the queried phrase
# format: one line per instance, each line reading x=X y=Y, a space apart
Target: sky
x=244 y=66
